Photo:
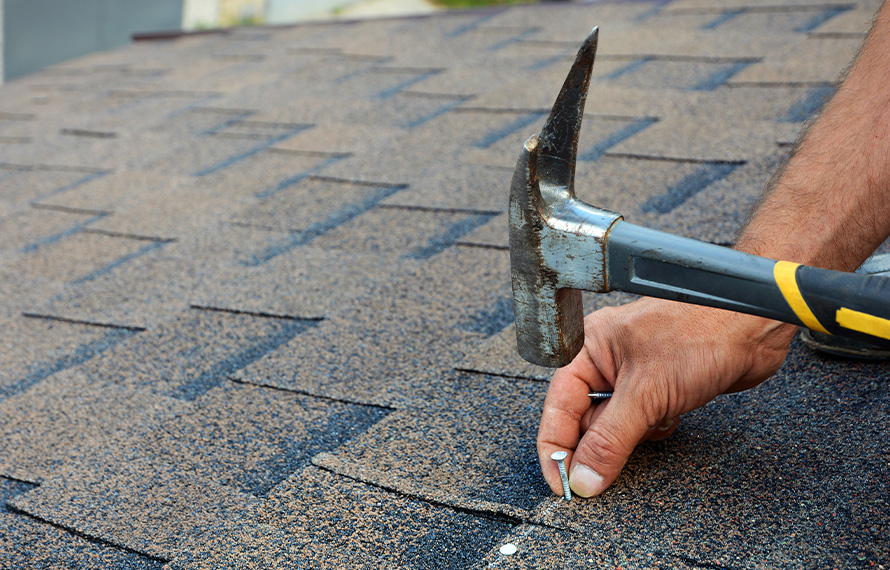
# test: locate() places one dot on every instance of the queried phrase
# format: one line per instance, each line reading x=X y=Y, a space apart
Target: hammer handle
x=657 y=264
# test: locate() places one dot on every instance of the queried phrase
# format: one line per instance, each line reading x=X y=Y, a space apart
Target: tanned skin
x=828 y=207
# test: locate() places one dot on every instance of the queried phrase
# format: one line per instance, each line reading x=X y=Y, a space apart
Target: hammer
x=560 y=245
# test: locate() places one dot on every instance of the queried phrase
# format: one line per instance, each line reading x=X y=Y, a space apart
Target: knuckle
x=557 y=413
x=651 y=401
x=602 y=447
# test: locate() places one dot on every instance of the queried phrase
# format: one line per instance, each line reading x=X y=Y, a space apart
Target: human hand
x=662 y=359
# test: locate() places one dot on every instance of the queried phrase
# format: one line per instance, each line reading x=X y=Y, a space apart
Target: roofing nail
x=508 y=549
x=560 y=458
x=600 y=395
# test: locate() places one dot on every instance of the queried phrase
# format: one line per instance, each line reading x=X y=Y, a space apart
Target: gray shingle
x=256 y=296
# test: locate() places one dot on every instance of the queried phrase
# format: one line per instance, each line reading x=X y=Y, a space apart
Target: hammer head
x=557 y=242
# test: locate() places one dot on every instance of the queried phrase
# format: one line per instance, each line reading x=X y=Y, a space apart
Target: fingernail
x=666 y=424
x=585 y=482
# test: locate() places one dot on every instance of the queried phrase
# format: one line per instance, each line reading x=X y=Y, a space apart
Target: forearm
x=830 y=205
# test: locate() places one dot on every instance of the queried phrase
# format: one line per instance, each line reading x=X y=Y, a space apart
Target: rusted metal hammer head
x=556 y=241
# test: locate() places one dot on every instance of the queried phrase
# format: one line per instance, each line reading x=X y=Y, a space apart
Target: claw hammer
x=559 y=245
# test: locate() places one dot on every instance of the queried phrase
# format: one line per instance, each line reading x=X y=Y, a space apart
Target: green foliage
x=249 y=21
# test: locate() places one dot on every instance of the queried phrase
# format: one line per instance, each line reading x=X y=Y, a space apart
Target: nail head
x=508 y=549
x=558 y=455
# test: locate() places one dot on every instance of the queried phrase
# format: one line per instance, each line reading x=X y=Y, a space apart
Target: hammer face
x=557 y=247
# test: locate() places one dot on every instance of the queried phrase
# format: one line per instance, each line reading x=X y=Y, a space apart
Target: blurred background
x=37 y=33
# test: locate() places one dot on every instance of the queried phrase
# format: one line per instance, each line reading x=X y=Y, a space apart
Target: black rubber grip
x=848 y=304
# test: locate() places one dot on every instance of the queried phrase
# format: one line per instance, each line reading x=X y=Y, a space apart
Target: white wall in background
x=198 y=14
x=285 y=11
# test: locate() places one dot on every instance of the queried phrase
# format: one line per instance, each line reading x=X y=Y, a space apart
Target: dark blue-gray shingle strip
x=374 y=61
x=805 y=108
x=197 y=109
x=455 y=233
x=88 y=178
x=677 y=58
x=153 y=244
x=720 y=77
x=122 y=558
x=450 y=236
x=331 y=434
x=462 y=545
x=677 y=194
x=652 y=12
x=90 y=174
x=776 y=84
x=526 y=117
x=268 y=142
x=729 y=67
x=831 y=35
x=521 y=119
x=491 y=320
x=451 y=102
x=545 y=62
x=485 y=16
x=483 y=245
x=723 y=18
x=79 y=355
x=135 y=98
x=413 y=76
x=329 y=158
x=620 y=135
x=234 y=119
x=518 y=37
x=825 y=13
x=74 y=229
x=765 y=8
x=377 y=192
x=288 y=327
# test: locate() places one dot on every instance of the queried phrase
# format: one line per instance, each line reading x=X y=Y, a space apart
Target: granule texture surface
x=256 y=304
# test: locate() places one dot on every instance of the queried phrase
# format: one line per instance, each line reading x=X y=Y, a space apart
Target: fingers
x=663 y=359
x=663 y=430
x=566 y=408
x=605 y=447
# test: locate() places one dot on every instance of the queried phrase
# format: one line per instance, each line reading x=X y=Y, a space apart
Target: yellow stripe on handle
x=785 y=274
x=863 y=322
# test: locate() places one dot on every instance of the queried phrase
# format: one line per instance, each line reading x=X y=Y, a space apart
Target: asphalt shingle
x=256 y=297
x=32 y=543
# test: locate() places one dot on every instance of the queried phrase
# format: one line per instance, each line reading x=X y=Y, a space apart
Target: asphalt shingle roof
x=256 y=302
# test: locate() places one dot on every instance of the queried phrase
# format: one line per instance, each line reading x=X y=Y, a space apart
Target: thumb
x=604 y=449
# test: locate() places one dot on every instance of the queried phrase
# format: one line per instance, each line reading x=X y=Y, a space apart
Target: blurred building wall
x=281 y=11
x=37 y=33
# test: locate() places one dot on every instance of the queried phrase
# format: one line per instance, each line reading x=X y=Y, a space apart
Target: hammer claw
x=558 y=141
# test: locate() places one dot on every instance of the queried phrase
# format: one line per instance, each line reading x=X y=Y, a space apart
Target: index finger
x=565 y=408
